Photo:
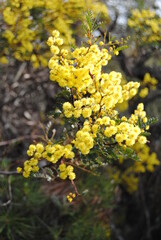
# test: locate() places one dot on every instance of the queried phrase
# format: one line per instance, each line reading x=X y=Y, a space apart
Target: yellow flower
x=32 y=147
x=86 y=112
x=101 y=43
x=144 y=92
x=142 y=140
x=54 y=49
x=55 y=33
x=63 y=175
x=116 y=52
x=19 y=169
x=26 y=174
x=39 y=147
x=72 y=176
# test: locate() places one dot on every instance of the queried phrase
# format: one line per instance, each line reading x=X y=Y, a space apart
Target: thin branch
x=19 y=139
x=75 y=188
x=8 y=173
x=82 y=168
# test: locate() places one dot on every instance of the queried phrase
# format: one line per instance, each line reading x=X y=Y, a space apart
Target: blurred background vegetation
x=122 y=204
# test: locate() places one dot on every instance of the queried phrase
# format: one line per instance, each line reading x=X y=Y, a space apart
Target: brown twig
x=75 y=188
x=83 y=169
x=19 y=139
x=8 y=173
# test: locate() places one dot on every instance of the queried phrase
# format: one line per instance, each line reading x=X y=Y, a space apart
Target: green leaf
x=150 y=121
x=91 y=24
x=122 y=48
x=112 y=38
x=146 y=134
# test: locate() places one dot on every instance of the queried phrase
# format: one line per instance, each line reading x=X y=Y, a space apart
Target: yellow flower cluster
x=104 y=96
x=25 y=31
x=139 y=113
x=30 y=166
x=84 y=74
x=130 y=181
x=51 y=153
x=148 y=80
x=84 y=139
x=54 y=152
x=148 y=160
x=147 y=24
x=66 y=172
x=148 y=83
x=18 y=32
x=129 y=178
x=128 y=131
x=70 y=197
x=96 y=94
x=78 y=72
